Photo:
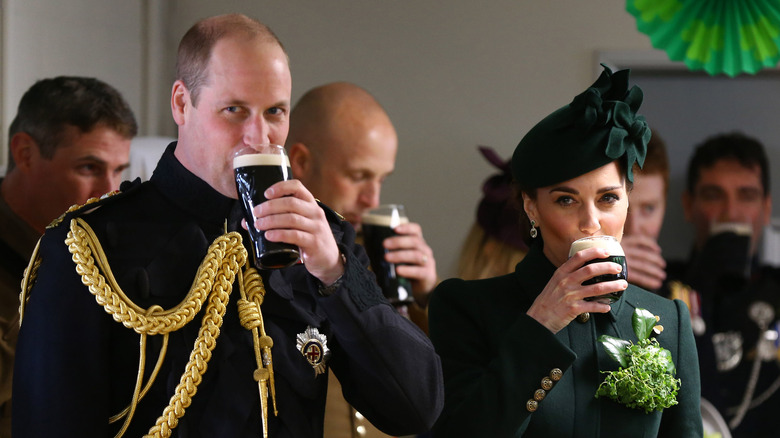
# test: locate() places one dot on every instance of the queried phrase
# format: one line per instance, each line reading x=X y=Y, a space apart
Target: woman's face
x=593 y=204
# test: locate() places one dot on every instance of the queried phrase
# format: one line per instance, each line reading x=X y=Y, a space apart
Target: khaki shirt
x=18 y=241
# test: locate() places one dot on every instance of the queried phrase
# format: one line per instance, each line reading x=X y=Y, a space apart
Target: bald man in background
x=342 y=146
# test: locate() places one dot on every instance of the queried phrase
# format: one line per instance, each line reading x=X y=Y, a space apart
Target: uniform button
x=532 y=405
x=361 y=430
x=547 y=384
x=583 y=317
x=539 y=394
x=359 y=416
x=556 y=374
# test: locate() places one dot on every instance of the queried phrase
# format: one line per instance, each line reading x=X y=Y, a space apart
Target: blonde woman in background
x=494 y=244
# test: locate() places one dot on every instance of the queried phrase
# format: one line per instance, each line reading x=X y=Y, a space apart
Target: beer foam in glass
x=256 y=168
x=378 y=225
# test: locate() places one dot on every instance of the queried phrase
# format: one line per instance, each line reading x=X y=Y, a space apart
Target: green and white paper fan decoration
x=718 y=36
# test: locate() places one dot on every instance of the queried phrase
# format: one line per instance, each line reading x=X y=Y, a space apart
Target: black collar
x=188 y=192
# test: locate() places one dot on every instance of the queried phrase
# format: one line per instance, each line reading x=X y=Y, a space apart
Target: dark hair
x=195 y=48
x=525 y=222
x=736 y=146
x=50 y=105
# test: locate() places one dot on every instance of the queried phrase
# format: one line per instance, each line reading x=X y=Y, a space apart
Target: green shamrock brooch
x=645 y=379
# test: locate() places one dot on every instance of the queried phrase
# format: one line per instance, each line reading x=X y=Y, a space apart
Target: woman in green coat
x=521 y=353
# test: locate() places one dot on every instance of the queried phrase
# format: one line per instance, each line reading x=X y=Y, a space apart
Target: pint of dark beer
x=256 y=168
x=378 y=225
x=616 y=256
x=727 y=250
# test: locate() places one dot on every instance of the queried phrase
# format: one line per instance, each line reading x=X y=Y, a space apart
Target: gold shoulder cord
x=213 y=282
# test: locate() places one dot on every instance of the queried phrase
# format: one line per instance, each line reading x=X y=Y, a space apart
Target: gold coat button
x=539 y=394
x=556 y=374
x=547 y=384
x=532 y=405
x=583 y=317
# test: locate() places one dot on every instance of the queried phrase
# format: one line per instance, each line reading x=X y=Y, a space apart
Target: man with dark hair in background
x=733 y=299
x=70 y=141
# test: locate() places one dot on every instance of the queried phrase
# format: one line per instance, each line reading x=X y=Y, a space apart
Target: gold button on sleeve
x=531 y=405
x=547 y=384
x=556 y=374
x=539 y=394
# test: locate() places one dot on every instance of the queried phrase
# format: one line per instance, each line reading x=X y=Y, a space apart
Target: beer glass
x=378 y=225
x=727 y=250
x=616 y=256
x=256 y=168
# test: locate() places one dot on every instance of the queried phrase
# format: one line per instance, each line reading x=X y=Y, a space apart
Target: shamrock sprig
x=645 y=379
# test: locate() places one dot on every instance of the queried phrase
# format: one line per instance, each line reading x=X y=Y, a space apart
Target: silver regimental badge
x=313 y=345
x=728 y=350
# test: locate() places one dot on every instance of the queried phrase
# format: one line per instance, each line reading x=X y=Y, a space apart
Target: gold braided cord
x=82 y=242
x=130 y=411
x=201 y=353
x=30 y=274
x=140 y=375
x=214 y=281
x=252 y=295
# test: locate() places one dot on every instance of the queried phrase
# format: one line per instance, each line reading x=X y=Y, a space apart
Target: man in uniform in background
x=342 y=146
x=70 y=141
x=733 y=299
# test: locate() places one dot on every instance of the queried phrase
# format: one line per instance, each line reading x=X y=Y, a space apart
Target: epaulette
x=126 y=188
x=330 y=213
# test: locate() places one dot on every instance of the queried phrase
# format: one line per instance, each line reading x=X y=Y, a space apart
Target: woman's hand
x=564 y=296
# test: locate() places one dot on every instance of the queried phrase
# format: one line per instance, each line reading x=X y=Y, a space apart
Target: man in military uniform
x=342 y=146
x=163 y=262
x=733 y=299
x=69 y=141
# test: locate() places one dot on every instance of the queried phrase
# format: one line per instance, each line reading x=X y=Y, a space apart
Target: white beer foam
x=739 y=228
x=384 y=220
x=261 y=160
x=610 y=243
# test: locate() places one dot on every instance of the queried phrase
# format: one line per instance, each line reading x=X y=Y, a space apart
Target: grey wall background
x=452 y=75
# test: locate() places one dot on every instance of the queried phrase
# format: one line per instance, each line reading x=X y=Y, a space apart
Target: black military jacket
x=76 y=366
x=725 y=296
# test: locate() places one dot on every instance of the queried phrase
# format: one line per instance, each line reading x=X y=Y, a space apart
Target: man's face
x=85 y=165
x=349 y=176
x=646 y=205
x=246 y=100
x=728 y=192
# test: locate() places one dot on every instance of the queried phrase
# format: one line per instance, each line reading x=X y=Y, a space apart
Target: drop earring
x=533 y=231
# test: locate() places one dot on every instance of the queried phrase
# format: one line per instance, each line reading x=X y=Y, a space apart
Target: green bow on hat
x=599 y=126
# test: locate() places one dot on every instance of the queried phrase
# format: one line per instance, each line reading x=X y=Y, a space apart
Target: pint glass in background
x=256 y=168
x=378 y=224
x=727 y=250
x=616 y=255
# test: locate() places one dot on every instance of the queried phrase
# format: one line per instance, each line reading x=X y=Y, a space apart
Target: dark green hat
x=599 y=126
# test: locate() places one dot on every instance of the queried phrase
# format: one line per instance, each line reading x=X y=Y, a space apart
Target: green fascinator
x=599 y=126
